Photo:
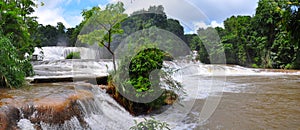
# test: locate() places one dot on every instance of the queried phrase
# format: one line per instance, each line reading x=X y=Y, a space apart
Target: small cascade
x=191 y=68
x=105 y=113
x=71 y=106
x=59 y=53
x=76 y=68
x=85 y=53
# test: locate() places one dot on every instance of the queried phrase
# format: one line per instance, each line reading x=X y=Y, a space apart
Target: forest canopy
x=269 y=39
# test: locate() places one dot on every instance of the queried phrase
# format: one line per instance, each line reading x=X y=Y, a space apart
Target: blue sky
x=191 y=13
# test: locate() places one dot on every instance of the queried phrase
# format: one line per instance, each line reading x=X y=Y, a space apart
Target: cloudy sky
x=191 y=13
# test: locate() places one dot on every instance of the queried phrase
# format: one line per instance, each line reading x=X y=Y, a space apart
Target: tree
x=278 y=22
x=72 y=34
x=235 y=40
x=175 y=27
x=16 y=22
x=17 y=25
x=139 y=77
x=11 y=72
x=195 y=43
x=291 y=15
x=265 y=22
x=107 y=24
x=60 y=27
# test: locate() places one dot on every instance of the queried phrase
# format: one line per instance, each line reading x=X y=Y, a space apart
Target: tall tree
x=15 y=20
x=107 y=23
x=265 y=23
x=17 y=37
x=291 y=15
x=235 y=39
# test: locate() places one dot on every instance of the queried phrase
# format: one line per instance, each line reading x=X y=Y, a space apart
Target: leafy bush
x=73 y=55
x=289 y=66
x=254 y=66
x=12 y=73
x=143 y=82
x=150 y=124
x=142 y=65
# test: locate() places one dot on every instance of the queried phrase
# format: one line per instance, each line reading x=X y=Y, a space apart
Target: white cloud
x=53 y=12
x=216 y=24
x=203 y=25
x=102 y=6
x=68 y=2
x=200 y=25
x=50 y=16
x=74 y=20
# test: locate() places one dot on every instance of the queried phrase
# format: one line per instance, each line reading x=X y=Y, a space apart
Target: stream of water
x=249 y=98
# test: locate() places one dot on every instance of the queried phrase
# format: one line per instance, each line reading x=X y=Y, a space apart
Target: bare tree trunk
x=114 y=63
x=114 y=60
x=111 y=52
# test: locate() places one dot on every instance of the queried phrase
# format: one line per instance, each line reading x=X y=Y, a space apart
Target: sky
x=192 y=14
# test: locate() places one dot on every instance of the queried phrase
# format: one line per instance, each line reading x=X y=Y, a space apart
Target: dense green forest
x=268 y=39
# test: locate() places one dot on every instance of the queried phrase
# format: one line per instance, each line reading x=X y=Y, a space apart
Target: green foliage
x=16 y=22
x=254 y=66
x=57 y=35
x=153 y=17
x=142 y=65
x=21 y=28
x=150 y=124
x=269 y=39
x=106 y=22
x=141 y=74
x=11 y=67
x=18 y=36
x=289 y=66
x=73 y=55
x=196 y=43
x=211 y=49
x=102 y=25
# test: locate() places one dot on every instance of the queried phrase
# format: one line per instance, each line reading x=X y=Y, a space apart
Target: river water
x=249 y=98
x=257 y=102
x=217 y=97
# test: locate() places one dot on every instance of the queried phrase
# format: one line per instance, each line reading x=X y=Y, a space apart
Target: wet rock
x=50 y=110
x=9 y=116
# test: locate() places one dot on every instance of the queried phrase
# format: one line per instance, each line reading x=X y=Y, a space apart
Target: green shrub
x=12 y=74
x=73 y=55
x=143 y=82
x=142 y=65
x=254 y=66
x=289 y=66
x=150 y=124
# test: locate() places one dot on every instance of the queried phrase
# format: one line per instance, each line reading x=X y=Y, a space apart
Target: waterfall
x=103 y=112
x=59 y=53
x=100 y=112
x=190 y=68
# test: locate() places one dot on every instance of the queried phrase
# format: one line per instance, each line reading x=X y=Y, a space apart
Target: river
x=217 y=97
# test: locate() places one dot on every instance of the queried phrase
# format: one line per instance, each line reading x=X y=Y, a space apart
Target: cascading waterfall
x=59 y=53
x=100 y=112
x=103 y=112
